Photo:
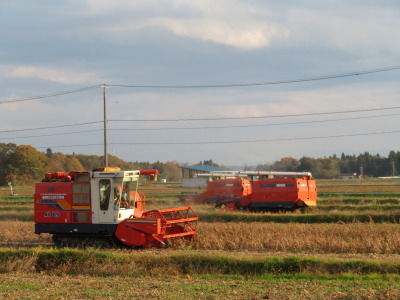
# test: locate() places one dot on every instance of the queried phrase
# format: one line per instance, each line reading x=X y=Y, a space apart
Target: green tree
x=28 y=162
x=172 y=171
x=306 y=164
x=6 y=168
x=288 y=164
x=49 y=153
x=207 y=163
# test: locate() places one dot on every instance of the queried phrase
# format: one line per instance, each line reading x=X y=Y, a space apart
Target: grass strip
x=357 y=207
x=16 y=208
x=347 y=286
x=223 y=216
x=359 y=194
x=215 y=216
x=103 y=263
x=356 y=201
x=13 y=215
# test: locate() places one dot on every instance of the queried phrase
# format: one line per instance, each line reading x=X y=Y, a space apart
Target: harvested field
x=264 y=237
x=347 y=247
x=42 y=286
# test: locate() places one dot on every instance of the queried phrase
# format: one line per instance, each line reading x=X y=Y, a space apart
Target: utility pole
x=105 y=126
x=393 y=168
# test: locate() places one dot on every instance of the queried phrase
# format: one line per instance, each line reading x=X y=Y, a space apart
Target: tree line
x=24 y=164
x=365 y=165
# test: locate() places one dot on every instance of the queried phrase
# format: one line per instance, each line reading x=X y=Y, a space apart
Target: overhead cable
x=214 y=119
x=324 y=77
x=257 y=117
x=227 y=85
x=53 y=134
x=51 y=127
x=50 y=95
x=253 y=125
x=201 y=128
x=231 y=142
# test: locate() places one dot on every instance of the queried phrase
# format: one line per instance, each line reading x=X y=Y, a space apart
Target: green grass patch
x=358 y=201
x=359 y=194
x=204 y=287
x=217 y=215
x=222 y=216
x=16 y=200
x=16 y=208
x=102 y=263
x=26 y=287
x=326 y=208
x=16 y=216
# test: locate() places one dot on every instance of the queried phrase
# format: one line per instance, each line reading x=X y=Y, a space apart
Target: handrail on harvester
x=184 y=216
x=241 y=174
x=235 y=175
x=278 y=173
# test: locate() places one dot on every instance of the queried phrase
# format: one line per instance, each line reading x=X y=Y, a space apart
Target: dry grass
x=292 y=237
x=15 y=232
x=319 y=238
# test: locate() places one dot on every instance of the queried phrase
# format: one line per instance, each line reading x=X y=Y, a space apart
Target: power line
x=51 y=127
x=209 y=119
x=70 y=146
x=204 y=127
x=257 y=117
x=258 y=141
x=54 y=134
x=317 y=78
x=324 y=77
x=233 y=142
x=254 y=125
x=49 y=95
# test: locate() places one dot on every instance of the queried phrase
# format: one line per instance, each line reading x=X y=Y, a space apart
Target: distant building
x=190 y=175
x=348 y=176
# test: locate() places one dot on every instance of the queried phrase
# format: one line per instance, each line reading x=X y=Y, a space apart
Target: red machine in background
x=232 y=188
x=103 y=208
x=279 y=191
x=264 y=190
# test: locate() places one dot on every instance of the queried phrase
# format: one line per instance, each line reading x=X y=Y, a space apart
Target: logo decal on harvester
x=277 y=185
x=51 y=215
x=55 y=197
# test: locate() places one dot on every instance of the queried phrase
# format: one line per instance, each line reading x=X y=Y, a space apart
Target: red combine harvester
x=103 y=208
x=262 y=190
x=220 y=188
x=232 y=188
x=279 y=191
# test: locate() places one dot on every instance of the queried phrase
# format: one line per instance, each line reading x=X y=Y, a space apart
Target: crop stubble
x=256 y=236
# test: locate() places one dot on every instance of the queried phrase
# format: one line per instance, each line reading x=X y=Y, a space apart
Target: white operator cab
x=113 y=196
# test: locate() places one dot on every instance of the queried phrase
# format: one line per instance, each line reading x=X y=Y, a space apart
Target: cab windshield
x=125 y=192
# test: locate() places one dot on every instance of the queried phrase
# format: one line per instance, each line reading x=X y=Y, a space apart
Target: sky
x=239 y=82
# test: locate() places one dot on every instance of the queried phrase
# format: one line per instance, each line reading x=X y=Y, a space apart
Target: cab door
x=103 y=204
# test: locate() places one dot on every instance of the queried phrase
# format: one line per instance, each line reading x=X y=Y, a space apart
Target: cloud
x=237 y=33
x=55 y=75
x=244 y=34
x=230 y=23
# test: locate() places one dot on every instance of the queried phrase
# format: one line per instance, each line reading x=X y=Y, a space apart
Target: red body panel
x=288 y=192
x=62 y=202
x=230 y=188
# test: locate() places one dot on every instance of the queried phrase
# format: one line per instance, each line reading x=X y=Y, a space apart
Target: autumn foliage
x=24 y=164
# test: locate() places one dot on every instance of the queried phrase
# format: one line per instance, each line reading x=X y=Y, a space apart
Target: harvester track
x=101 y=242
x=17 y=245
